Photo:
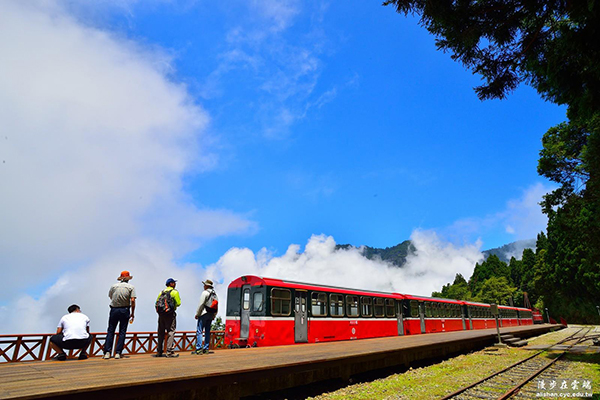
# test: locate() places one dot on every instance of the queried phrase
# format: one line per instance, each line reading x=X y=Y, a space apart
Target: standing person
x=167 y=318
x=122 y=300
x=73 y=333
x=206 y=312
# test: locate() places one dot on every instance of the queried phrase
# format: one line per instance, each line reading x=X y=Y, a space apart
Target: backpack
x=212 y=303
x=165 y=303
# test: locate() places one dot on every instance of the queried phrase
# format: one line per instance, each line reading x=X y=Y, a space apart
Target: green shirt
x=174 y=296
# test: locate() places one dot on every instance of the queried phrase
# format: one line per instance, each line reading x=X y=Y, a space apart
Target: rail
x=512 y=378
x=36 y=347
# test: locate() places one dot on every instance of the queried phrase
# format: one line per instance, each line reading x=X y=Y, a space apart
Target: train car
x=508 y=316
x=267 y=312
x=479 y=315
x=525 y=316
x=431 y=314
x=537 y=316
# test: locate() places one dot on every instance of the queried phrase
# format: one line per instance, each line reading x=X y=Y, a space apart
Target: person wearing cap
x=204 y=317
x=122 y=310
x=72 y=333
x=167 y=322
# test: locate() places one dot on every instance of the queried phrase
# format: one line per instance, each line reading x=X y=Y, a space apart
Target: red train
x=271 y=312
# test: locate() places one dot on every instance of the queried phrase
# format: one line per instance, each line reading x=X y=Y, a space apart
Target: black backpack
x=165 y=303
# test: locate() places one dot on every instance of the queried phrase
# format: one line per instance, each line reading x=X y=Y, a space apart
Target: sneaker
x=106 y=356
x=172 y=355
x=205 y=351
x=197 y=352
x=60 y=357
x=83 y=355
x=117 y=356
x=158 y=355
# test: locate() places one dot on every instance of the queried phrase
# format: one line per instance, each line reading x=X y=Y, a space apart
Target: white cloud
x=96 y=139
x=280 y=67
x=149 y=262
x=433 y=264
x=522 y=217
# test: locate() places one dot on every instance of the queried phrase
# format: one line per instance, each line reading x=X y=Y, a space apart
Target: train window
x=319 y=304
x=378 y=307
x=303 y=303
x=352 y=306
x=366 y=306
x=428 y=310
x=389 y=308
x=336 y=303
x=281 y=302
x=258 y=301
x=246 y=298
x=414 y=309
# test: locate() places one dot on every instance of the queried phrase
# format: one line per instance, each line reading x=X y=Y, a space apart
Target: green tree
x=554 y=46
x=550 y=44
x=491 y=267
x=458 y=290
x=516 y=271
x=495 y=290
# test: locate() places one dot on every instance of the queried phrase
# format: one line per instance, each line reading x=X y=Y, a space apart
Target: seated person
x=73 y=333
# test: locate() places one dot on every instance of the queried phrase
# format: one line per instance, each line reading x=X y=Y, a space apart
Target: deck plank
x=37 y=379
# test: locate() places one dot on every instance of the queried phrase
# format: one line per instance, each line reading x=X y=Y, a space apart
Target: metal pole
x=498 y=330
x=598 y=308
x=547 y=315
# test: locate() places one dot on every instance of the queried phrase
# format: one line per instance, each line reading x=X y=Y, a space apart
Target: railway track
x=509 y=382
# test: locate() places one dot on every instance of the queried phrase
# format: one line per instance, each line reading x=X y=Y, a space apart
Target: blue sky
x=163 y=134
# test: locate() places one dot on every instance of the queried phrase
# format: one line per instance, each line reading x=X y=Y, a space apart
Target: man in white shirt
x=73 y=333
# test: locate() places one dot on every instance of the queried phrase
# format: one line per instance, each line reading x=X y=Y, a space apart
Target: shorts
x=72 y=344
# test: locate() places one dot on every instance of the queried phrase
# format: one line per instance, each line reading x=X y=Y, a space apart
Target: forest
x=553 y=46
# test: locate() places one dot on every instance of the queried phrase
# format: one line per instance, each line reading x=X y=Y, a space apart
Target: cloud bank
x=96 y=141
x=433 y=264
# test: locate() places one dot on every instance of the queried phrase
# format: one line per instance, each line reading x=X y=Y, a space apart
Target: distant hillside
x=514 y=249
x=397 y=254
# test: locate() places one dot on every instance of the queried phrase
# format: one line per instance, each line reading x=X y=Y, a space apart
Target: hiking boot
x=60 y=357
x=106 y=356
x=205 y=351
x=197 y=352
x=117 y=356
x=158 y=355
x=83 y=355
x=172 y=355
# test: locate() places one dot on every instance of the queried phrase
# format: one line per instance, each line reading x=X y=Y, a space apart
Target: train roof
x=257 y=280
x=437 y=299
x=254 y=280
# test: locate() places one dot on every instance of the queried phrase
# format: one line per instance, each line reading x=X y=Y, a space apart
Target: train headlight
x=230 y=329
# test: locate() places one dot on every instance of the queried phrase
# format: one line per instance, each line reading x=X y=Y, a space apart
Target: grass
x=438 y=380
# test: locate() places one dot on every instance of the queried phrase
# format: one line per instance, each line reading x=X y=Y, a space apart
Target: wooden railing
x=36 y=347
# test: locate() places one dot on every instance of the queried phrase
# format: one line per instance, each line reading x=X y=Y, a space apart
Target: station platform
x=233 y=374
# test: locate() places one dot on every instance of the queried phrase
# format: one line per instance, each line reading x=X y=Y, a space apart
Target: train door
x=400 y=317
x=422 y=316
x=245 y=312
x=462 y=313
x=300 y=317
x=468 y=315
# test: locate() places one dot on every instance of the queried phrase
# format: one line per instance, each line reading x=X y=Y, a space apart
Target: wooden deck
x=231 y=374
